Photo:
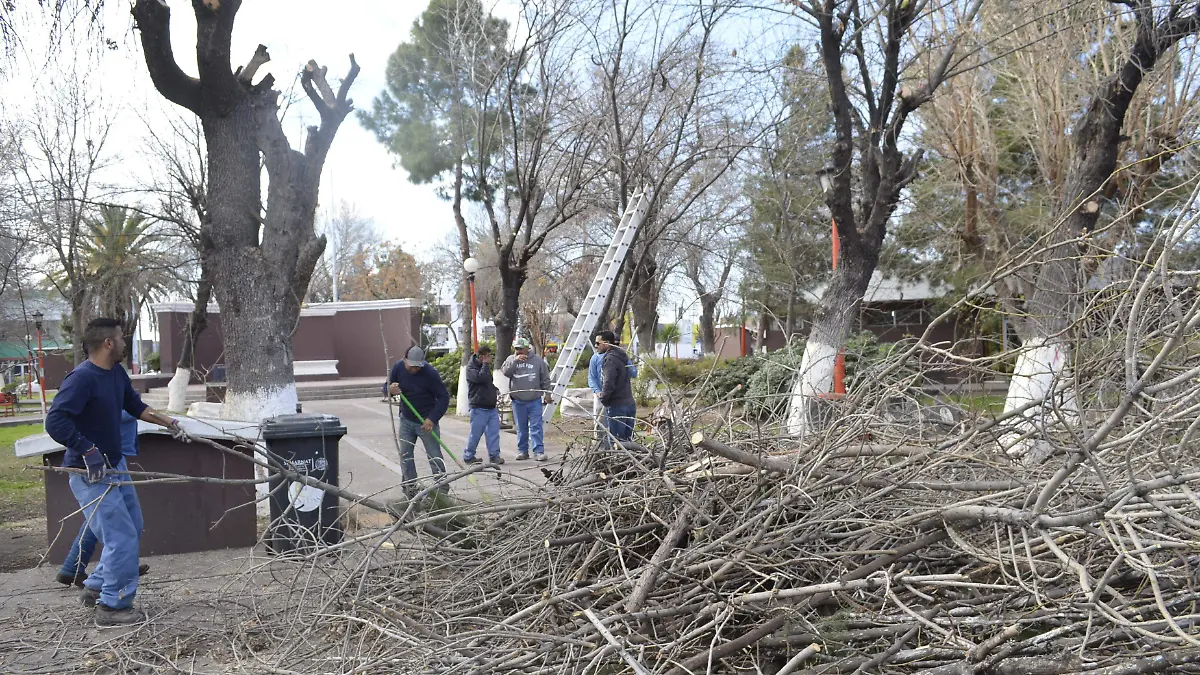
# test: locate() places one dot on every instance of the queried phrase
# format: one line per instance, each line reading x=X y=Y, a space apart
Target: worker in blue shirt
x=86 y=420
x=74 y=567
x=421 y=384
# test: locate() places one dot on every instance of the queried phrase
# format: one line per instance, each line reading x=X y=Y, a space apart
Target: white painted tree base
x=177 y=390
x=462 y=407
x=1041 y=376
x=815 y=379
x=255 y=406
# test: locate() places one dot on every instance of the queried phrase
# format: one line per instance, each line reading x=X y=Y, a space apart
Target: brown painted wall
x=209 y=347
x=314 y=339
x=367 y=343
x=351 y=337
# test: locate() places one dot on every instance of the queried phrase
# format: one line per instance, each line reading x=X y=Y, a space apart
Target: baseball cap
x=415 y=357
x=521 y=343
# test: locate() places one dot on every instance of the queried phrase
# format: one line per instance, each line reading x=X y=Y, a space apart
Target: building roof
x=19 y=351
x=893 y=289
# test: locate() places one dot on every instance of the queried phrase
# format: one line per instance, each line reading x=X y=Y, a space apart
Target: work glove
x=177 y=432
x=93 y=459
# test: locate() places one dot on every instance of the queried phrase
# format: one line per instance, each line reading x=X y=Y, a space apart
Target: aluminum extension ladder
x=589 y=311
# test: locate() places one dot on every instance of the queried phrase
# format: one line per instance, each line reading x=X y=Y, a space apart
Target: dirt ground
x=22 y=504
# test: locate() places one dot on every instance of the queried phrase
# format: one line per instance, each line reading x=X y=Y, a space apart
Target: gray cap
x=415 y=357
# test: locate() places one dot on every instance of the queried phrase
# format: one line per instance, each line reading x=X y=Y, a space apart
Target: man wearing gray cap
x=421 y=384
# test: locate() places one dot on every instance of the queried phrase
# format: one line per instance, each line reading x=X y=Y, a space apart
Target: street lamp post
x=839 y=365
x=37 y=322
x=471 y=266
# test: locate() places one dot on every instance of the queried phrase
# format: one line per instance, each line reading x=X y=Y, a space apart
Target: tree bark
x=1043 y=369
x=260 y=262
x=708 y=324
x=510 y=307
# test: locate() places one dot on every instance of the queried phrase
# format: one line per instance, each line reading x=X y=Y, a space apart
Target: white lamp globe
x=471 y=265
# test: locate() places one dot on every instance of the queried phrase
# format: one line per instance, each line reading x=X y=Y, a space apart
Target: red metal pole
x=839 y=365
x=42 y=372
x=474 y=318
x=29 y=375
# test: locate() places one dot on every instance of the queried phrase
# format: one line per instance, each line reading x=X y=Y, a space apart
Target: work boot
x=473 y=460
x=88 y=597
x=107 y=616
x=67 y=579
x=522 y=455
x=142 y=569
x=496 y=460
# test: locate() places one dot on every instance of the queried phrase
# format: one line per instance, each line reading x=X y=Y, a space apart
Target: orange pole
x=42 y=371
x=839 y=365
x=474 y=318
x=29 y=376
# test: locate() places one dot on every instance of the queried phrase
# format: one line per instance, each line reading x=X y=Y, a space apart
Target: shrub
x=448 y=366
x=154 y=361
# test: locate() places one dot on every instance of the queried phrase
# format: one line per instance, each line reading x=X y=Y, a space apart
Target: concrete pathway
x=370 y=462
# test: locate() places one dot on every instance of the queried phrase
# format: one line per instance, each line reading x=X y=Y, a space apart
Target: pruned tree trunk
x=510 y=307
x=643 y=299
x=1040 y=382
x=708 y=324
x=261 y=261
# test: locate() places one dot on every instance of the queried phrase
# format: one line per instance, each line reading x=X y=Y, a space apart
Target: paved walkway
x=369 y=463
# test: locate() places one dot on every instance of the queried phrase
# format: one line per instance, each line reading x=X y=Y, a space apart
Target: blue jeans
x=620 y=421
x=410 y=431
x=527 y=416
x=113 y=513
x=485 y=424
x=81 y=552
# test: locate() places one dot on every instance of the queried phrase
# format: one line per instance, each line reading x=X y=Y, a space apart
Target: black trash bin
x=303 y=516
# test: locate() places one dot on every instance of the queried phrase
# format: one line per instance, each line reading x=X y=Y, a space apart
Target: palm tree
x=669 y=335
x=124 y=264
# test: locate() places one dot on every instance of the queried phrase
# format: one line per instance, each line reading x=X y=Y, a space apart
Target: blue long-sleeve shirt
x=87 y=412
x=595 y=379
x=425 y=390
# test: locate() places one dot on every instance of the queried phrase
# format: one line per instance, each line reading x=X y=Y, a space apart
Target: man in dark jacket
x=615 y=391
x=485 y=420
x=422 y=386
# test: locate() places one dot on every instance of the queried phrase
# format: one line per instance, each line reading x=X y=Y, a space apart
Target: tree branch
x=153 y=20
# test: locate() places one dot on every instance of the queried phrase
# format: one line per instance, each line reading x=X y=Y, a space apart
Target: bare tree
x=350 y=234
x=882 y=62
x=55 y=179
x=675 y=119
x=260 y=259
x=533 y=185
x=1042 y=368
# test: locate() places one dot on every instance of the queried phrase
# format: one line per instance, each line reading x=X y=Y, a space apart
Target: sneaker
x=539 y=457
x=89 y=598
x=473 y=460
x=522 y=455
x=107 y=616
x=142 y=569
x=67 y=579
x=495 y=460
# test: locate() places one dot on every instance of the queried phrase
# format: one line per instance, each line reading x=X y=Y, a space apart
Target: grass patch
x=21 y=494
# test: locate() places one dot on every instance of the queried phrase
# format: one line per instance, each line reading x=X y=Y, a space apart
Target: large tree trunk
x=510 y=308
x=261 y=263
x=708 y=327
x=79 y=320
x=197 y=322
x=643 y=300
x=831 y=326
x=1042 y=375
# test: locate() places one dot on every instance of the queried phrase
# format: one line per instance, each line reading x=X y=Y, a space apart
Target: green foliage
x=429 y=111
x=154 y=361
x=730 y=376
x=448 y=366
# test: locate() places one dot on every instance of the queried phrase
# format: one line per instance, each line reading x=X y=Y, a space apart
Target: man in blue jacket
x=422 y=386
x=74 y=567
x=86 y=420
